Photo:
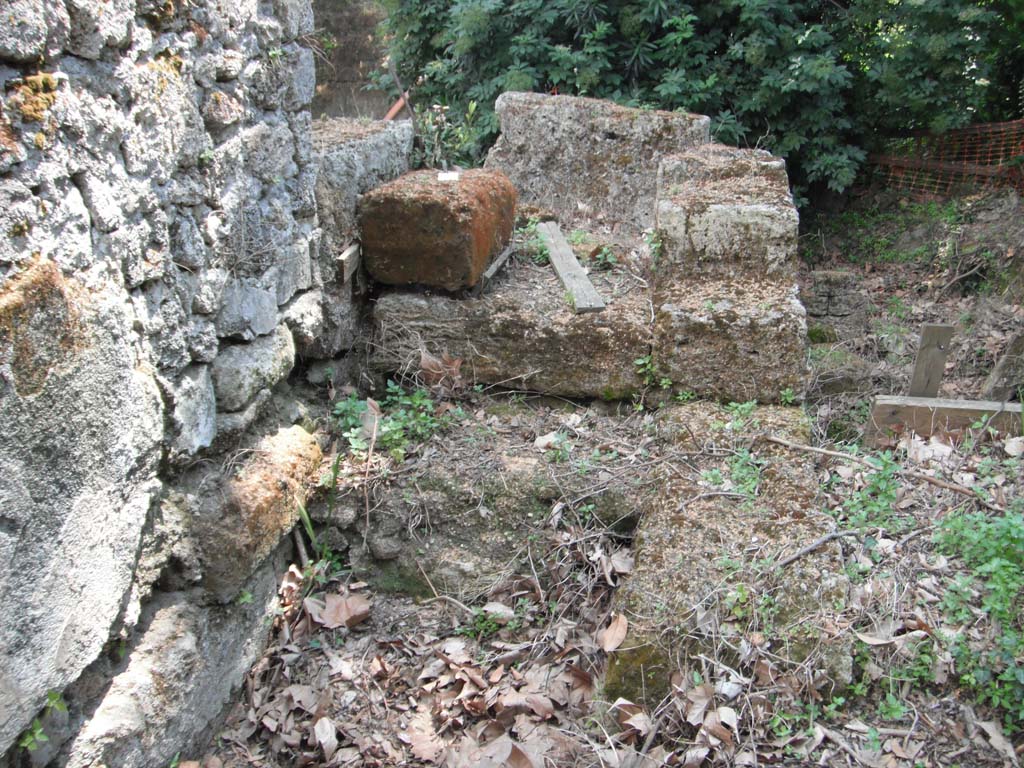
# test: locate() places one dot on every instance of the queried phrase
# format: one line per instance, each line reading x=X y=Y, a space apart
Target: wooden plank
x=582 y=293
x=930 y=364
x=349 y=260
x=493 y=269
x=928 y=415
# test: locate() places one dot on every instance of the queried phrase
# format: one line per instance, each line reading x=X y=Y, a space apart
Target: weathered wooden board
x=928 y=415
x=349 y=261
x=583 y=295
x=931 y=360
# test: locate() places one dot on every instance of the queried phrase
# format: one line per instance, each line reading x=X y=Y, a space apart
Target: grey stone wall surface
x=158 y=224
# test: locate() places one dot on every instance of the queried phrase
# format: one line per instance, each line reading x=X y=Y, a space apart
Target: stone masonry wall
x=157 y=222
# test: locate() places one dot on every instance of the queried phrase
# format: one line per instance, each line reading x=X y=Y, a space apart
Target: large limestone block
x=723 y=211
x=522 y=333
x=180 y=677
x=731 y=340
x=239 y=519
x=353 y=157
x=421 y=230
x=324 y=323
x=564 y=152
x=241 y=371
x=693 y=582
x=79 y=448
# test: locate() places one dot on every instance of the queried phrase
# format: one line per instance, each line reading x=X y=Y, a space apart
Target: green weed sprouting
x=406 y=418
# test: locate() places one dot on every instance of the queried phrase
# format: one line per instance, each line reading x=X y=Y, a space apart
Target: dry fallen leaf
x=499 y=612
x=1014 y=447
x=700 y=699
x=423 y=739
x=326 y=736
x=611 y=637
x=999 y=742
x=343 y=611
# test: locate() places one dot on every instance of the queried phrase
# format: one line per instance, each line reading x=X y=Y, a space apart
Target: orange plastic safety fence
x=933 y=165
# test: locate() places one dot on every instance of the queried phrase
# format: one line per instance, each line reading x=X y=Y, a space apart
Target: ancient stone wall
x=158 y=242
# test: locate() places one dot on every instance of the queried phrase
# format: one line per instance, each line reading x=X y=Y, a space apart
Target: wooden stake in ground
x=930 y=364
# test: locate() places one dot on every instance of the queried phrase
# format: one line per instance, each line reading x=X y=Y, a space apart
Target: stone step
x=695 y=581
x=732 y=339
x=727 y=340
x=722 y=212
x=522 y=333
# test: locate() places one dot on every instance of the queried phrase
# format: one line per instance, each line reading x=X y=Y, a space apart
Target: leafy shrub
x=814 y=82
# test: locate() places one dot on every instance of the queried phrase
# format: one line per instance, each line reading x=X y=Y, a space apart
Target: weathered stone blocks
x=353 y=157
x=82 y=424
x=838 y=306
x=521 y=333
x=587 y=158
x=723 y=212
x=728 y=321
x=731 y=340
x=238 y=521
x=242 y=370
x=421 y=230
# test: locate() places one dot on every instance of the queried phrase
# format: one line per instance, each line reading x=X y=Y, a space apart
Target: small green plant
x=55 y=702
x=787 y=396
x=685 y=396
x=604 y=259
x=713 y=477
x=654 y=247
x=328 y=42
x=898 y=308
x=874 y=504
x=993 y=549
x=891 y=708
x=577 y=237
x=482 y=626
x=745 y=473
x=33 y=736
x=834 y=708
x=275 y=55
x=531 y=243
x=206 y=157
x=244 y=597
x=646 y=369
x=406 y=418
x=560 y=450
x=740 y=415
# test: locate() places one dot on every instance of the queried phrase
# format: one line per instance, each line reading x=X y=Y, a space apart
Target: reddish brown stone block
x=418 y=229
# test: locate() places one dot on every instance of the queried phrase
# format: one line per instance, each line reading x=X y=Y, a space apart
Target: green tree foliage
x=816 y=81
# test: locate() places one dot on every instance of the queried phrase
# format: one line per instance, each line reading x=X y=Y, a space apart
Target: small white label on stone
x=448 y=176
